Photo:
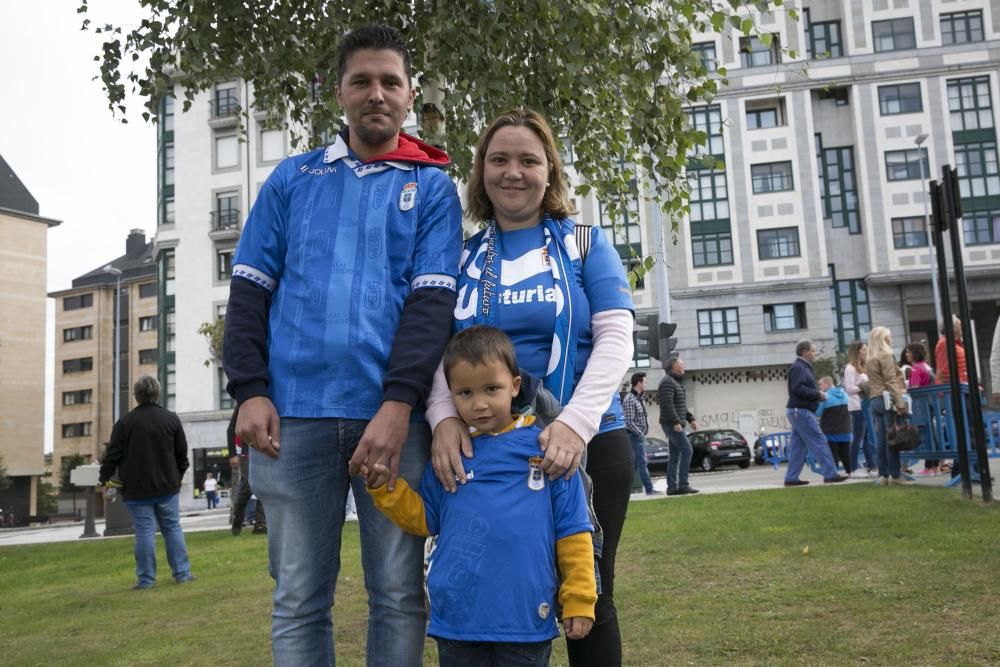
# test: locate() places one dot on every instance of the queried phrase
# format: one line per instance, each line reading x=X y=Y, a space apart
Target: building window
x=226 y=401
x=272 y=145
x=962 y=27
x=566 y=153
x=785 y=317
x=719 y=326
x=224 y=264
x=168 y=211
x=706 y=53
x=147 y=323
x=839 y=186
x=171 y=331
x=227 y=153
x=771 y=177
x=78 y=301
x=170 y=388
x=976 y=164
x=824 y=39
x=778 y=243
x=147 y=290
x=908 y=165
x=894 y=35
x=759 y=119
x=709 y=196
x=78 y=333
x=168 y=271
x=851 y=316
x=707 y=119
x=227 y=212
x=220 y=311
x=754 y=53
x=981 y=227
x=909 y=232
x=77 y=430
x=639 y=359
x=970 y=104
x=77 y=397
x=623 y=233
x=227 y=100
x=79 y=365
x=167 y=114
x=712 y=249
x=902 y=98
x=150 y=356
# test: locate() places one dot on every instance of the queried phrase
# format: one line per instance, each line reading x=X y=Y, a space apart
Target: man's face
x=679 y=367
x=640 y=386
x=376 y=96
x=810 y=354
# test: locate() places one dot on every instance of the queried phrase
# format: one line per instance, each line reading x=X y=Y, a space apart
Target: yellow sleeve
x=404 y=506
x=578 y=591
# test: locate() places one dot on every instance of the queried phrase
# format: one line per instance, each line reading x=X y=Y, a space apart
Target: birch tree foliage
x=612 y=77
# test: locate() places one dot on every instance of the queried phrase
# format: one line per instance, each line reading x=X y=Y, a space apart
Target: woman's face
x=908 y=356
x=863 y=352
x=515 y=175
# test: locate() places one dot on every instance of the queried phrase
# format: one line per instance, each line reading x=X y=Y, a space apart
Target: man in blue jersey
x=340 y=307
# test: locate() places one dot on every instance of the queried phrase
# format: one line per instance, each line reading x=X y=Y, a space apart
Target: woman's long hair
x=854 y=355
x=878 y=343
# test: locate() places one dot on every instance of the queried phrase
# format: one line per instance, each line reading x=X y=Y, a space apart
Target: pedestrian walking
x=835 y=422
x=637 y=425
x=245 y=502
x=673 y=414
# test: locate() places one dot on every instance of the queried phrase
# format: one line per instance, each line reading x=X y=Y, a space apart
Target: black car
x=719 y=447
x=657 y=454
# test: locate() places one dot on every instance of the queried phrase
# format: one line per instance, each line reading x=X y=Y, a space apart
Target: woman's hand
x=563 y=450
x=451 y=442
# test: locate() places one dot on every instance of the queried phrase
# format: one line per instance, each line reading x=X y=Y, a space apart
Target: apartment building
x=85 y=348
x=23 y=257
x=816 y=227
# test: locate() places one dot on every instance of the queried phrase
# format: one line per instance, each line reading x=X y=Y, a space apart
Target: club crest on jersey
x=536 y=478
x=545 y=256
x=408 y=197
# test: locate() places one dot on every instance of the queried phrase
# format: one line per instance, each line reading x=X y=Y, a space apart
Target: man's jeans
x=145 y=518
x=888 y=460
x=679 y=462
x=639 y=449
x=304 y=490
x=806 y=433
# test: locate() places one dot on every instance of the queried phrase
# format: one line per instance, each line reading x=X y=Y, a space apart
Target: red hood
x=411 y=149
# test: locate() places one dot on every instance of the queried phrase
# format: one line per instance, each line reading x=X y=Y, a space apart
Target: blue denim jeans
x=304 y=491
x=860 y=442
x=888 y=460
x=145 y=519
x=806 y=433
x=639 y=451
x=452 y=653
x=679 y=462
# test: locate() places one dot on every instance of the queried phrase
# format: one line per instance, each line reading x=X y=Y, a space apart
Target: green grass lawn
x=892 y=576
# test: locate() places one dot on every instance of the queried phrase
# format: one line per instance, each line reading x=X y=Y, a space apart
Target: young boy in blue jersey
x=835 y=422
x=493 y=582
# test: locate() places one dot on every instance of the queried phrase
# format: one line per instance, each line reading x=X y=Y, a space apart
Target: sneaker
x=883 y=481
x=351 y=516
x=142 y=587
x=654 y=492
x=673 y=492
x=796 y=482
x=260 y=530
x=237 y=527
x=686 y=491
x=871 y=472
x=187 y=580
x=835 y=480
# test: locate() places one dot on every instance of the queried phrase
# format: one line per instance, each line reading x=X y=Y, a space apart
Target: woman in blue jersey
x=571 y=322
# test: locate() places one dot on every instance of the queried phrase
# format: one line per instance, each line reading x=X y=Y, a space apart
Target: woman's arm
x=610 y=358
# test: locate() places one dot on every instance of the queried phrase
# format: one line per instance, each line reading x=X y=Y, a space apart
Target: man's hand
x=451 y=442
x=563 y=450
x=679 y=427
x=577 y=627
x=693 y=424
x=382 y=443
x=258 y=425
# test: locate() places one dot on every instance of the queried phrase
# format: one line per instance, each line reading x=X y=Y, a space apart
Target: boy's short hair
x=375 y=37
x=828 y=380
x=479 y=345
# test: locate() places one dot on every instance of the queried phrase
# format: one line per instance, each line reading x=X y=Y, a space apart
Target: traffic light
x=647 y=342
x=667 y=343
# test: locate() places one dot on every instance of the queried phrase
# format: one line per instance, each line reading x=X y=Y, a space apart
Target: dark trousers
x=610 y=464
x=454 y=653
x=841 y=452
x=243 y=497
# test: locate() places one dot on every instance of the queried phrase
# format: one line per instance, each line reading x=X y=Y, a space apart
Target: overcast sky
x=82 y=165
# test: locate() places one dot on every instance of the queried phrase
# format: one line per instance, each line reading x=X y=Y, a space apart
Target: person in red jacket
x=941 y=355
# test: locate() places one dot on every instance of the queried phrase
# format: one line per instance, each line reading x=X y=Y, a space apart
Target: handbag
x=903 y=436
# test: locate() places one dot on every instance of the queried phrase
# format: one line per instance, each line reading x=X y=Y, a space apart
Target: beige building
x=84 y=349
x=23 y=243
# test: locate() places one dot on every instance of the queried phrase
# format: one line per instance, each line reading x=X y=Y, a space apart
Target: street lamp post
x=927 y=228
x=117 y=273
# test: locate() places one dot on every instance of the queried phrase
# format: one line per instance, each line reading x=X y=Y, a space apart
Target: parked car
x=718 y=447
x=657 y=454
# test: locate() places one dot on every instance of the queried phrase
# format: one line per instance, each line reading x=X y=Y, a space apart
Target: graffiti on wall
x=756 y=421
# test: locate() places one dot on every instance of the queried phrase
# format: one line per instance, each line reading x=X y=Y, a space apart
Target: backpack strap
x=582 y=233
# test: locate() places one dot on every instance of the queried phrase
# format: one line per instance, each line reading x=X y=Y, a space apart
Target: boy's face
x=483 y=393
x=824 y=385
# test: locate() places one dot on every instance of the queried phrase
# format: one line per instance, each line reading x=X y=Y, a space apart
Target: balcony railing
x=228 y=218
x=225 y=104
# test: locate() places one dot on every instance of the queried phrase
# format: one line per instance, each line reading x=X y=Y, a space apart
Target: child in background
x=493 y=582
x=835 y=422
